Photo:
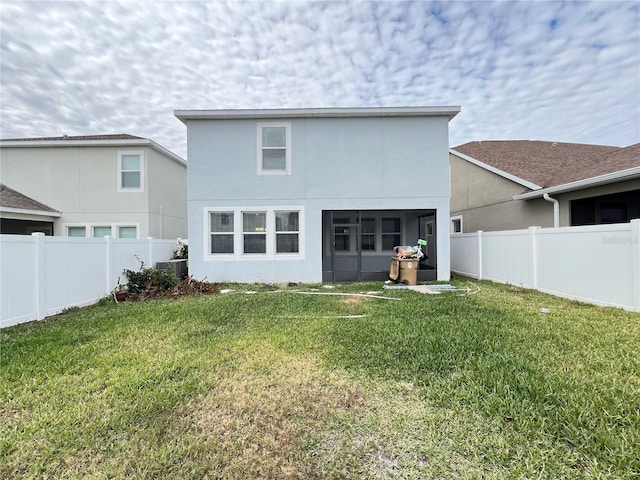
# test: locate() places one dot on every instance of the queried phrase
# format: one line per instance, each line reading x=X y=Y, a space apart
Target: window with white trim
x=101 y=231
x=221 y=229
x=76 y=231
x=130 y=172
x=274 y=148
x=287 y=231
x=127 y=232
x=254 y=232
x=456 y=224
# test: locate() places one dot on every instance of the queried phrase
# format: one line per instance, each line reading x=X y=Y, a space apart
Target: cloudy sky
x=562 y=71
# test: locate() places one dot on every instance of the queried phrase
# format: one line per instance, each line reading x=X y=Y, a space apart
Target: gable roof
x=549 y=164
x=109 y=140
x=13 y=201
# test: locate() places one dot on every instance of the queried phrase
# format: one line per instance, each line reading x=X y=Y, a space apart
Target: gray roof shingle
x=549 y=164
x=116 y=136
x=11 y=198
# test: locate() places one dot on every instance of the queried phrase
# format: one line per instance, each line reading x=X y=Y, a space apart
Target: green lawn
x=277 y=385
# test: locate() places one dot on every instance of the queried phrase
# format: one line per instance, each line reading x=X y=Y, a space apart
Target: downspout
x=556 y=209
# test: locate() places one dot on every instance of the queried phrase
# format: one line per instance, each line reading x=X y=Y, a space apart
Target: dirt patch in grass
x=265 y=415
x=353 y=301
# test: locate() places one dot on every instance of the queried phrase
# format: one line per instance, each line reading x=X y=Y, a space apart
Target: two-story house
x=92 y=186
x=311 y=195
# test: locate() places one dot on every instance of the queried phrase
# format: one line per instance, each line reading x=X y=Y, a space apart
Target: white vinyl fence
x=599 y=264
x=41 y=276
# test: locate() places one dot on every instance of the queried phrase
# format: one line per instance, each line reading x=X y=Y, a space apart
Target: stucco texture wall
x=485 y=200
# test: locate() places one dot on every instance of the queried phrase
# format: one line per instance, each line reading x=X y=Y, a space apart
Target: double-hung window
x=274 y=148
x=249 y=232
x=254 y=232
x=130 y=172
x=287 y=231
x=221 y=230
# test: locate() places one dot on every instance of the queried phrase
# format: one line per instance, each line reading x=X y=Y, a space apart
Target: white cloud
x=547 y=70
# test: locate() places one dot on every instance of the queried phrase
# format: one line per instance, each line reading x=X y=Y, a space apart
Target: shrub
x=147 y=279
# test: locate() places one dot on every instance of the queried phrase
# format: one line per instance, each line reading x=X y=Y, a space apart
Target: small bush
x=106 y=300
x=147 y=279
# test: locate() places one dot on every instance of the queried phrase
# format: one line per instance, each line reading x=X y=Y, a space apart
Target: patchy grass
x=279 y=385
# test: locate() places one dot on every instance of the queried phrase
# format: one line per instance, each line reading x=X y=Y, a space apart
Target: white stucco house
x=92 y=186
x=312 y=195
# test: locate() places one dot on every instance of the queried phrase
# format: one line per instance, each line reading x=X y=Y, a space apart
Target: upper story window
x=274 y=149
x=130 y=172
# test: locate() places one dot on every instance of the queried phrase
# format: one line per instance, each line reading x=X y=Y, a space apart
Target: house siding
x=376 y=163
x=167 y=197
x=82 y=183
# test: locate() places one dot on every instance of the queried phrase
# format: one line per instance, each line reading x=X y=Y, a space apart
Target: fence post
x=533 y=257
x=150 y=252
x=635 y=260
x=479 y=254
x=39 y=283
x=109 y=266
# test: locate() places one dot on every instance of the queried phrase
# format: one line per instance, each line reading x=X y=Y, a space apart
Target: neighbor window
x=254 y=231
x=456 y=224
x=287 y=232
x=221 y=232
x=130 y=171
x=274 y=149
x=100 y=232
x=76 y=231
x=391 y=232
x=127 y=232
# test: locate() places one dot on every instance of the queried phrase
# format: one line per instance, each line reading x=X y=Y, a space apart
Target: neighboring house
x=23 y=215
x=514 y=184
x=311 y=195
x=92 y=186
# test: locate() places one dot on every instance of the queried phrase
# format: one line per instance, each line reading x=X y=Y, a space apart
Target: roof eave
x=137 y=142
x=613 y=177
x=26 y=211
x=448 y=111
x=497 y=171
